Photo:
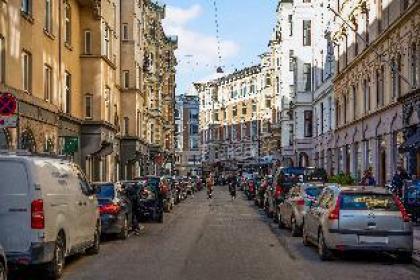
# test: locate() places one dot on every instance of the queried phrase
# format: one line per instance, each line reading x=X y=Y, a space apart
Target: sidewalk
x=416 y=253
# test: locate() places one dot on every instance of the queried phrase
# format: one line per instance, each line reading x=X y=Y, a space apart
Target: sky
x=245 y=29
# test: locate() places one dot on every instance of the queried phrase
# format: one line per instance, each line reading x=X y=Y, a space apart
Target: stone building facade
x=377 y=74
x=187 y=152
x=236 y=115
x=66 y=62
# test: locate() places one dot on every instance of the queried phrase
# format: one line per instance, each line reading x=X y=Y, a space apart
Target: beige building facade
x=377 y=77
x=236 y=116
x=66 y=62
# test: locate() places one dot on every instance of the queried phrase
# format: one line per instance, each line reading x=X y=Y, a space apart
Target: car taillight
x=335 y=213
x=405 y=216
x=37 y=214
x=300 y=202
x=111 y=208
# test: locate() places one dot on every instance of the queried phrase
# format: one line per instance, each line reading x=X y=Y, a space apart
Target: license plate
x=373 y=239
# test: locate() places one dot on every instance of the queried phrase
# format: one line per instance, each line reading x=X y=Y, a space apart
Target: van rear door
x=15 y=208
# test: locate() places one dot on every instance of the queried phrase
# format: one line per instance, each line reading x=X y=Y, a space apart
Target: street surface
x=224 y=240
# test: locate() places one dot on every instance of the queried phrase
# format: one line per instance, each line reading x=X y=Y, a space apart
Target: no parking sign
x=8 y=108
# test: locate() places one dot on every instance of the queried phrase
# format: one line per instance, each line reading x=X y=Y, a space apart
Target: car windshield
x=148 y=192
x=313 y=191
x=358 y=201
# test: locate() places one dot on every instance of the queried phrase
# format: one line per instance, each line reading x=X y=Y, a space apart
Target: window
x=48 y=80
x=244 y=110
x=194 y=129
x=235 y=111
x=291 y=131
x=67 y=24
x=306 y=32
x=27 y=71
x=291 y=60
x=27 y=7
x=126 y=125
x=346 y=54
x=396 y=78
x=125 y=31
x=126 y=79
x=2 y=59
x=88 y=42
x=308 y=123
x=354 y=93
x=254 y=107
x=268 y=103
x=67 y=90
x=88 y=106
x=367 y=26
x=414 y=69
x=404 y=4
x=366 y=91
x=380 y=87
x=356 y=44
x=48 y=16
x=344 y=109
x=307 y=74
x=107 y=49
x=290 y=25
x=306 y=1
x=322 y=118
x=379 y=15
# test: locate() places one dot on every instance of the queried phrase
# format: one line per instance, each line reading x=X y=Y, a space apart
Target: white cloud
x=200 y=48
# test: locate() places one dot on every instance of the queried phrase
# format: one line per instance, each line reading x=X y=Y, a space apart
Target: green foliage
x=342 y=179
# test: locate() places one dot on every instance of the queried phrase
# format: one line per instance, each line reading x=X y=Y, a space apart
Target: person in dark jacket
x=232 y=187
x=132 y=191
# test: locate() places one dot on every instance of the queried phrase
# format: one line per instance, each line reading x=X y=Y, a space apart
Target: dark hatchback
x=115 y=209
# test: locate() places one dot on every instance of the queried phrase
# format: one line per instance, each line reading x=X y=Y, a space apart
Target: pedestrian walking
x=232 y=187
x=132 y=191
x=210 y=186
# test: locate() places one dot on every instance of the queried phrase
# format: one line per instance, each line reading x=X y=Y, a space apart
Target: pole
x=374 y=50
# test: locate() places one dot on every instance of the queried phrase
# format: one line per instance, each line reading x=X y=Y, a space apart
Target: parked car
x=48 y=212
x=296 y=204
x=151 y=201
x=3 y=264
x=358 y=218
x=115 y=209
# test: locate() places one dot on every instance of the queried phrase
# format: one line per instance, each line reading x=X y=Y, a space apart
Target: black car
x=151 y=200
x=115 y=209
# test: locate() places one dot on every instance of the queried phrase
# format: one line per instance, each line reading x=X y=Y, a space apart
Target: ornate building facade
x=236 y=115
x=73 y=65
x=377 y=74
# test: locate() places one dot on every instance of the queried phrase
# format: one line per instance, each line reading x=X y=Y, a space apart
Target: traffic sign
x=8 y=104
x=8 y=122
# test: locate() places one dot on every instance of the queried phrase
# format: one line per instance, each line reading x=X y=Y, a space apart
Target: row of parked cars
x=335 y=218
x=49 y=210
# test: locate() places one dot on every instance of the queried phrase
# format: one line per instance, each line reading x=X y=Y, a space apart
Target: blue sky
x=245 y=29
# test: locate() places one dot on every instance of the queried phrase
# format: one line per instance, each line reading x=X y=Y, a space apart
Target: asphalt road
x=224 y=240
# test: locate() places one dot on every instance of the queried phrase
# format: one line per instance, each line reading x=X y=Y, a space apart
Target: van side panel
x=15 y=206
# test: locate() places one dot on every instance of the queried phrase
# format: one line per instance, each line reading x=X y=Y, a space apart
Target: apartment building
x=376 y=89
x=159 y=87
x=80 y=72
x=187 y=147
x=236 y=114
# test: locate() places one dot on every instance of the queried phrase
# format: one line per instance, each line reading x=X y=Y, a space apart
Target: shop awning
x=412 y=143
x=106 y=149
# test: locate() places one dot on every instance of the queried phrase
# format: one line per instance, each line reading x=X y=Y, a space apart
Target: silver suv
x=358 y=218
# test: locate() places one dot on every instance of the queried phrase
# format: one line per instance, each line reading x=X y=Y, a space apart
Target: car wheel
x=403 y=257
x=324 y=253
x=55 y=268
x=3 y=272
x=123 y=235
x=305 y=239
x=94 y=250
x=294 y=227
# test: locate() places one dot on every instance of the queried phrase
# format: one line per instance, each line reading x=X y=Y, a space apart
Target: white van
x=47 y=211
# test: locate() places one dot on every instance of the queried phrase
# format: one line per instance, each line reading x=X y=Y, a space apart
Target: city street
x=221 y=239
